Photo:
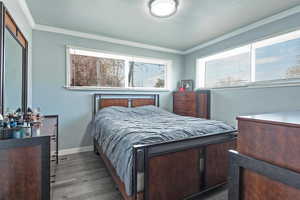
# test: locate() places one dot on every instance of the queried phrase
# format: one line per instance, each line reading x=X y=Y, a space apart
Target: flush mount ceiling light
x=163 y=8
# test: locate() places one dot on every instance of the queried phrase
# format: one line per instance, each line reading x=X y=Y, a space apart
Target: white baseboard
x=75 y=150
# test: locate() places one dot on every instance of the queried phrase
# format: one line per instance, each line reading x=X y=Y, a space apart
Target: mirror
x=13 y=54
x=13 y=64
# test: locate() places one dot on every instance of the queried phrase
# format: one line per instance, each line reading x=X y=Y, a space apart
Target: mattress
x=118 y=129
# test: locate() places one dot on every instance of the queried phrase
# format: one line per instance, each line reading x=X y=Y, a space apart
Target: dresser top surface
x=283 y=118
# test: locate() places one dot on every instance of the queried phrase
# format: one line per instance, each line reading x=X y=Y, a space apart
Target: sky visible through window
x=228 y=71
x=276 y=58
x=148 y=75
x=278 y=61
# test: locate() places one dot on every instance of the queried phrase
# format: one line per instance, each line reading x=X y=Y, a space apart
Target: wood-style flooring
x=83 y=176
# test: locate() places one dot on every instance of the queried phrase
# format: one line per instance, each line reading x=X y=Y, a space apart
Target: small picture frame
x=188 y=85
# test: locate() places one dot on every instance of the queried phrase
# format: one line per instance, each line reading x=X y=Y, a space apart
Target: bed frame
x=174 y=170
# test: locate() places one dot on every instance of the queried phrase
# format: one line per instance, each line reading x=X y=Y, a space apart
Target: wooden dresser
x=194 y=104
x=25 y=168
x=269 y=151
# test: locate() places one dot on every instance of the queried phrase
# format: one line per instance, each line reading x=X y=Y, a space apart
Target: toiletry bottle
x=1 y=121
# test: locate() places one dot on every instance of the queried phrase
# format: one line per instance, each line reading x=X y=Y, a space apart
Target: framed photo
x=188 y=85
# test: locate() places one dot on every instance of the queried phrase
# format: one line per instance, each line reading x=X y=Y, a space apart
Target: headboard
x=125 y=100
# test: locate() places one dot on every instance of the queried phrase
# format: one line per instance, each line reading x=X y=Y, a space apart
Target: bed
x=153 y=154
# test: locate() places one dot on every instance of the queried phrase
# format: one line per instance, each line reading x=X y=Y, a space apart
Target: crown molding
x=104 y=38
x=247 y=28
x=28 y=15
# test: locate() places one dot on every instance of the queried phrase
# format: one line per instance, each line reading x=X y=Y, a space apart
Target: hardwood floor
x=83 y=176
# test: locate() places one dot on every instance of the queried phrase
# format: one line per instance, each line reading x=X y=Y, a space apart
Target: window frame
x=128 y=59
x=200 y=80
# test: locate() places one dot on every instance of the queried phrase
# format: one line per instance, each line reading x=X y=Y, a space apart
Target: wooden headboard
x=125 y=100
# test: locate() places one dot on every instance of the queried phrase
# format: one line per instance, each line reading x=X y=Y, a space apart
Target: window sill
x=258 y=85
x=116 y=89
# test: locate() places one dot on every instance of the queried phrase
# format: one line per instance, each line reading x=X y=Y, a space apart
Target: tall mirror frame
x=7 y=23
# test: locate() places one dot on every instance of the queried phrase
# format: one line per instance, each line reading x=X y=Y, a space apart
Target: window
x=230 y=68
x=97 y=71
x=92 y=69
x=278 y=59
x=273 y=59
x=147 y=75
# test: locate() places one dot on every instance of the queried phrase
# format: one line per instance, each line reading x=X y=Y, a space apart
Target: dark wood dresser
x=193 y=104
x=269 y=156
x=25 y=168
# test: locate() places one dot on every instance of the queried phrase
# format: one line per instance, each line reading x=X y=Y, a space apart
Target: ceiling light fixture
x=163 y=8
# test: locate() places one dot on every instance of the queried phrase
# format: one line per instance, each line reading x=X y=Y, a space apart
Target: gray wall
x=75 y=107
x=18 y=15
x=229 y=103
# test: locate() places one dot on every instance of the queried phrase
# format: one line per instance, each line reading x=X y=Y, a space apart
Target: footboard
x=179 y=169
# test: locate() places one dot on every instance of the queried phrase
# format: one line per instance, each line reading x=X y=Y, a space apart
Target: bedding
x=117 y=129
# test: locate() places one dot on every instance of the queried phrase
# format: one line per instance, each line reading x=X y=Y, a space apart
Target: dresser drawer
x=53 y=145
x=50 y=127
x=186 y=113
x=184 y=96
x=189 y=107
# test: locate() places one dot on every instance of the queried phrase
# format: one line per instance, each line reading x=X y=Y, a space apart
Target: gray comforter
x=117 y=129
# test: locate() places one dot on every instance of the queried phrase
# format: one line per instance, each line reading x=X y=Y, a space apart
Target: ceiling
x=196 y=22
